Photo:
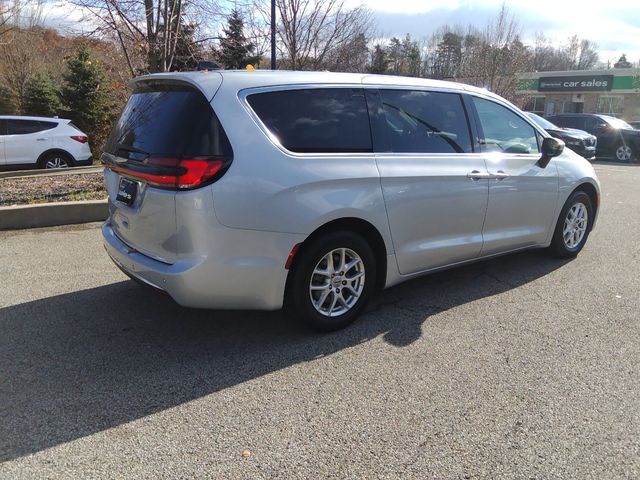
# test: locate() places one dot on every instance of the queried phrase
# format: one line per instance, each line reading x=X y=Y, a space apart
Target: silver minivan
x=256 y=189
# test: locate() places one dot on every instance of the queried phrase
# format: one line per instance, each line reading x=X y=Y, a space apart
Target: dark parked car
x=581 y=142
x=615 y=137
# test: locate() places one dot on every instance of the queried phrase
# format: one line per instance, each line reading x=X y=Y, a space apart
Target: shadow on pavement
x=79 y=363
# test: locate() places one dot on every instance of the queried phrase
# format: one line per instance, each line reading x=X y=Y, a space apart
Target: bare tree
x=19 y=14
x=574 y=54
x=496 y=57
x=311 y=33
x=149 y=32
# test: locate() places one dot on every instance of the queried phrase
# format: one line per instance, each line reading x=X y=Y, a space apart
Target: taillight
x=80 y=138
x=172 y=173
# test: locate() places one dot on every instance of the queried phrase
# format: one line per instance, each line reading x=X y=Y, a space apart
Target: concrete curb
x=52 y=214
x=50 y=172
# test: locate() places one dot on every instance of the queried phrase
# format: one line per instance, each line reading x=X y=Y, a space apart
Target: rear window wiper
x=139 y=155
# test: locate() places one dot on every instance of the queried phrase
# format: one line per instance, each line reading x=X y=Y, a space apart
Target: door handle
x=499 y=175
x=478 y=175
x=41 y=139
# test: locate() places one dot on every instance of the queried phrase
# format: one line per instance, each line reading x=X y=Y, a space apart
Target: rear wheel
x=56 y=160
x=573 y=227
x=333 y=280
x=624 y=153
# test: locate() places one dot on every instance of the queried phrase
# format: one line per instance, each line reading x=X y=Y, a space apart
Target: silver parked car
x=249 y=190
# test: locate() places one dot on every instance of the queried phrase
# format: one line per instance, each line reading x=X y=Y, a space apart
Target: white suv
x=42 y=142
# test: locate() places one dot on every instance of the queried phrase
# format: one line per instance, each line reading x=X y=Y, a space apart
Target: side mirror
x=551 y=147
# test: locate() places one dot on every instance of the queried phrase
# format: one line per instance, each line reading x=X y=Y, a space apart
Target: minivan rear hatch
x=168 y=139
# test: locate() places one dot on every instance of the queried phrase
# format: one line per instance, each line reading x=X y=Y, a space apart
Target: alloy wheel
x=575 y=225
x=337 y=282
x=56 y=162
x=623 y=153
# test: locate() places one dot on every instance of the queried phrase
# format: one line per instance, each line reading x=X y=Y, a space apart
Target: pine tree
x=379 y=61
x=623 y=62
x=88 y=96
x=188 y=53
x=7 y=102
x=41 y=96
x=235 y=50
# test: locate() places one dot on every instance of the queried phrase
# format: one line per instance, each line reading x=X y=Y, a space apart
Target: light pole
x=273 y=34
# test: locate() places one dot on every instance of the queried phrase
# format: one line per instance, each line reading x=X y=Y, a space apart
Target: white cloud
x=614 y=25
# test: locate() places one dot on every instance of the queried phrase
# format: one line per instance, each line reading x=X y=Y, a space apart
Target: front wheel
x=333 y=280
x=573 y=227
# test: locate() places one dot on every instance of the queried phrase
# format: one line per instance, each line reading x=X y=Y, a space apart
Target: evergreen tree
x=448 y=56
x=623 y=62
x=412 y=57
x=188 y=53
x=88 y=96
x=7 y=102
x=379 y=60
x=235 y=50
x=394 y=54
x=41 y=96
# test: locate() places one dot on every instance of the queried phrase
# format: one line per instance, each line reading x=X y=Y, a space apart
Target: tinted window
x=172 y=120
x=571 y=122
x=425 y=122
x=316 y=120
x=504 y=131
x=48 y=125
x=3 y=127
x=22 y=127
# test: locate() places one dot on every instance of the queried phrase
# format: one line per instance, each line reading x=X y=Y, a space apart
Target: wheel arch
x=50 y=151
x=351 y=224
x=593 y=194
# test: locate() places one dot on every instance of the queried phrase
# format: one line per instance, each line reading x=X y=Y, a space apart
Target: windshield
x=541 y=122
x=618 y=124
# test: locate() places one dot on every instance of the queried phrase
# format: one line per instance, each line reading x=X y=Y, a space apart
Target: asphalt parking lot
x=519 y=367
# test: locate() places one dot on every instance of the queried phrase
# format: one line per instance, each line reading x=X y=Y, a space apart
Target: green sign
x=575 y=83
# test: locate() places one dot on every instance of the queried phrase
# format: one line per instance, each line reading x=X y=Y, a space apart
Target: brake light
x=171 y=173
x=80 y=138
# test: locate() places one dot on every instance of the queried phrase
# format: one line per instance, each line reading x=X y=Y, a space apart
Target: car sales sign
x=582 y=83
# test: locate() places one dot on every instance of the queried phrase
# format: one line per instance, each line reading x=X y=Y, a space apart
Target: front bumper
x=586 y=152
x=242 y=269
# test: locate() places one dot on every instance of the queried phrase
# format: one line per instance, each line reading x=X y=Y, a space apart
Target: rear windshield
x=168 y=119
x=316 y=120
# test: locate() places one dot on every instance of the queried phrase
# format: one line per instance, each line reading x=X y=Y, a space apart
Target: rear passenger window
x=48 y=125
x=22 y=127
x=316 y=120
x=416 y=121
x=504 y=131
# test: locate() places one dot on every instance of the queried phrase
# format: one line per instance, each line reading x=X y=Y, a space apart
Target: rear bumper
x=84 y=162
x=240 y=269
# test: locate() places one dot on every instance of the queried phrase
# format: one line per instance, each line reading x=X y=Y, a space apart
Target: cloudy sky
x=613 y=24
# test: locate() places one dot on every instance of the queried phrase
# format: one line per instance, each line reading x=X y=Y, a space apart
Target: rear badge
x=127 y=191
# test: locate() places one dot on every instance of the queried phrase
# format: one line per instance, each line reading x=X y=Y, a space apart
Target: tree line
x=46 y=73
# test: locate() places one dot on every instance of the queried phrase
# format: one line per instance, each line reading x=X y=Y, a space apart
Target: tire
x=360 y=279
x=624 y=153
x=56 y=160
x=573 y=226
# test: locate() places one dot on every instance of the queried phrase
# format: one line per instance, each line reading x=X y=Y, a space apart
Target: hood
x=574 y=132
x=570 y=133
